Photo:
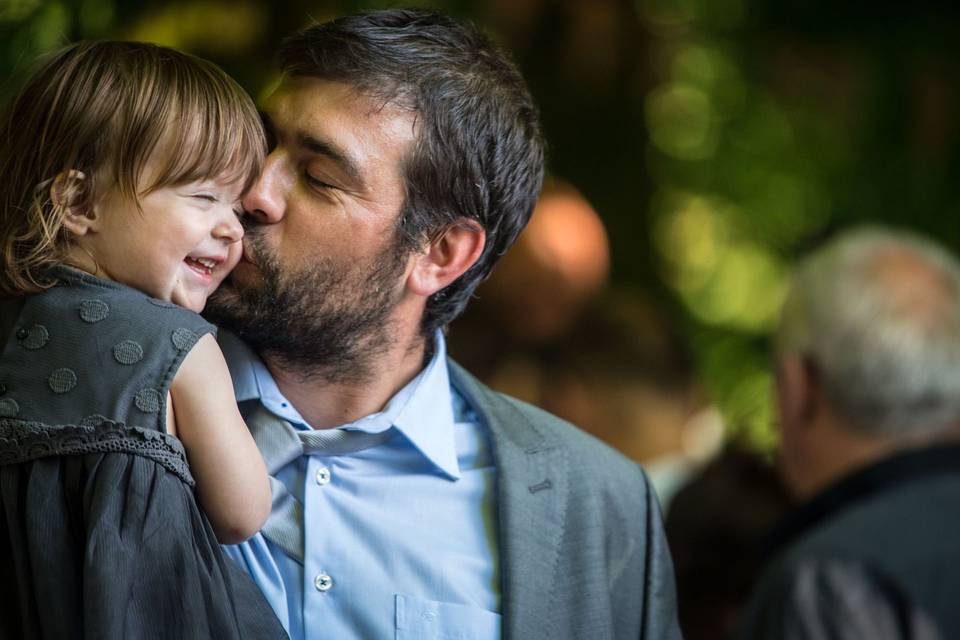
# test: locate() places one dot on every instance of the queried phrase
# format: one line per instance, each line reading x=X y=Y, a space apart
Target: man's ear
x=70 y=192
x=447 y=257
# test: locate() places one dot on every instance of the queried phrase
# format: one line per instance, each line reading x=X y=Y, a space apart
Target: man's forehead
x=306 y=101
x=333 y=122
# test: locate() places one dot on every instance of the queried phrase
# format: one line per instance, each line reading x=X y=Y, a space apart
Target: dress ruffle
x=113 y=545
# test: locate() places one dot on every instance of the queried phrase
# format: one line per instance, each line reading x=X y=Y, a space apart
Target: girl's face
x=179 y=248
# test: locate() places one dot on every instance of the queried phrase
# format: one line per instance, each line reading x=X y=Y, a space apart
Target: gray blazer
x=582 y=548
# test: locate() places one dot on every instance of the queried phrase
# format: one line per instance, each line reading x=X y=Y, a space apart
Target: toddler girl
x=121 y=170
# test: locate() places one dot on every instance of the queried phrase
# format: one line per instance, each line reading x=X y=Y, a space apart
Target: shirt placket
x=319 y=563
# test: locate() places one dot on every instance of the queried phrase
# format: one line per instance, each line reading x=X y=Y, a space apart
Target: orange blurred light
x=559 y=262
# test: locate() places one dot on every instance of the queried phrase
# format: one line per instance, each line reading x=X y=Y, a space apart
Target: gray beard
x=328 y=322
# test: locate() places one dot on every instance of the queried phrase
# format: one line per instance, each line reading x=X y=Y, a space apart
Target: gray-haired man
x=868 y=389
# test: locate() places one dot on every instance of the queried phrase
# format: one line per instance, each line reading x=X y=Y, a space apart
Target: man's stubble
x=326 y=321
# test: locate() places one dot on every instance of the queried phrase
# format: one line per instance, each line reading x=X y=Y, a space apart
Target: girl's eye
x=205 y=196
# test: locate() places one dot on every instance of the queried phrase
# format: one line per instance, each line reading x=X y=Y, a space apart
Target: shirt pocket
x=420 y=619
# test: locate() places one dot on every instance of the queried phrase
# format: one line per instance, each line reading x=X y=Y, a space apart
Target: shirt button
x=323 y=476
x=323 y=582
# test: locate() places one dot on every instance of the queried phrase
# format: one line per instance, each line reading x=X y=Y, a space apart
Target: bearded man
x=410 y=501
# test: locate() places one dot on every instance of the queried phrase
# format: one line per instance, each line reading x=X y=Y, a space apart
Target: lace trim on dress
x=23 y=441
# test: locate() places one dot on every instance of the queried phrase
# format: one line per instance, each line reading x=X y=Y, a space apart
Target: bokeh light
x=682 y=122
x=187 y=25
x=558 y=264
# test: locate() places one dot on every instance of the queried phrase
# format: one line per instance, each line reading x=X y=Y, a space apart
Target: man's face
x=322 y=266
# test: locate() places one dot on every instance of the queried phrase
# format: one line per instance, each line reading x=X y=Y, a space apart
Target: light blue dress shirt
x=393 y=539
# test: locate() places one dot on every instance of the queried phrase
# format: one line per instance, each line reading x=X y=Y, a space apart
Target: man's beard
x=326 y=321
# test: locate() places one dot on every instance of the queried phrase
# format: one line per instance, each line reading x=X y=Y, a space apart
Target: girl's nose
x=229 y=228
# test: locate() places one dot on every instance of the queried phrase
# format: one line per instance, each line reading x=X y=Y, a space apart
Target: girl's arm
x=232 y=483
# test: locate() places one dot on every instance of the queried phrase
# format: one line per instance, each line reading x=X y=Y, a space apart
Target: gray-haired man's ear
x=70 y=192
x=797 y=391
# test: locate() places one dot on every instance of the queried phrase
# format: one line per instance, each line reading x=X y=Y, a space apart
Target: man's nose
x=265 y=202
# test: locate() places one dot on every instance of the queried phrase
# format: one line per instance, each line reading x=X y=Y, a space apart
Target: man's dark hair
x=479 y=150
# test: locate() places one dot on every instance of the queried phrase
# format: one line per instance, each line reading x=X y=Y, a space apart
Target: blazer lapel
x=531 y=504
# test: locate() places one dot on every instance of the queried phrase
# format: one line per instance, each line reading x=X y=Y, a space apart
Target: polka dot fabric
x=94 y=347
x=92 y=489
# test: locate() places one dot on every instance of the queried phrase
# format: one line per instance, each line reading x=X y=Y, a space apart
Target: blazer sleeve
x=659 y=604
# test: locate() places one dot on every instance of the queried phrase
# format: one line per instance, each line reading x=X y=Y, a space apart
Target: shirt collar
x=252 y=379
x=422 y=410
x=425 y=417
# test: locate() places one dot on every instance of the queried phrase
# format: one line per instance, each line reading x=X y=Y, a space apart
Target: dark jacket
x=874 y=556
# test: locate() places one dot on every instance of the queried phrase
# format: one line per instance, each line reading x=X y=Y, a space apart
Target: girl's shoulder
x=80 y=296
x=89 y=347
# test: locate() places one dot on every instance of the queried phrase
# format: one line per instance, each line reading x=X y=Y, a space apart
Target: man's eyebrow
x=323 y=148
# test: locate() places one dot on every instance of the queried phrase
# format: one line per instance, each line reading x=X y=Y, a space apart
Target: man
x=868 y=394
x=410 y=501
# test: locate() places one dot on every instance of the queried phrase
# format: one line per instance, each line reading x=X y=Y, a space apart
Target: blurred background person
x=716 y=526
x=868 y=396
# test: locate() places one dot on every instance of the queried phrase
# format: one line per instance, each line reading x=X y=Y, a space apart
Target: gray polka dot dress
x=100 y=532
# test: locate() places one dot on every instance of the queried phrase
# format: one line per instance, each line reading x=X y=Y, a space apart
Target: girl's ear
x=70 y=192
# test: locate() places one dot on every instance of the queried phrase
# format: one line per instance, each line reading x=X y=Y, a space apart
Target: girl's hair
x=103 y=109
